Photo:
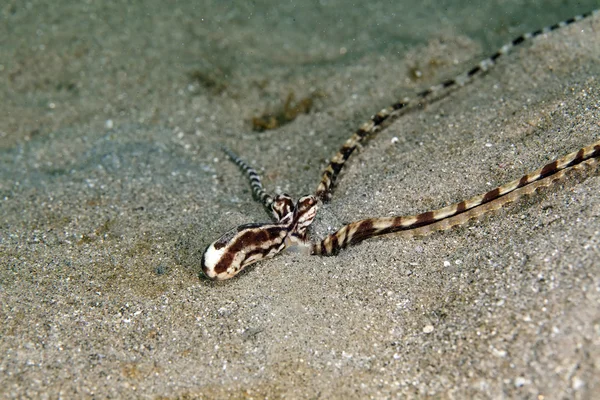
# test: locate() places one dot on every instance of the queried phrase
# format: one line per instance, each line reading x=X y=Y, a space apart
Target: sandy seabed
x=112 y=183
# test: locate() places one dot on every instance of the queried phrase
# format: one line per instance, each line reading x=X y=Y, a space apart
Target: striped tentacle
x=258 y=190
x=458 y=213
x=336 y=164
x=489 y=62
x=279 y=207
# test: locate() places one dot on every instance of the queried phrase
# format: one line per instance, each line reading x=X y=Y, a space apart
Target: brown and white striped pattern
x=336 y=164
x=279 y=207
x=258 y=191
x=242 y=246
x=458 y=213
x=247 y=244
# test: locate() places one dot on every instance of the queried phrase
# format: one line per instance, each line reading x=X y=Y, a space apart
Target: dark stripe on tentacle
x=258 y=191
x=279 y=207
x=460 y=212
x=336 y=164
x=329 y=176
